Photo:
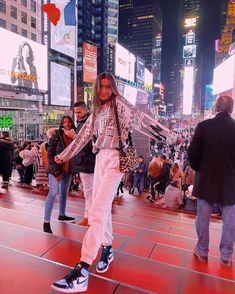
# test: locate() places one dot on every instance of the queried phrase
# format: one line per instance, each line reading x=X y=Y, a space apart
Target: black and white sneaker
x=66 y=218
x=75 y=281
x=105 y=260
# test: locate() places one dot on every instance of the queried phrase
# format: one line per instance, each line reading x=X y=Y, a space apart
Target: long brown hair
x=96 y=103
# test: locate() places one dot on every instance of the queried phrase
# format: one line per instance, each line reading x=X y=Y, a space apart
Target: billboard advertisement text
x=89 y=63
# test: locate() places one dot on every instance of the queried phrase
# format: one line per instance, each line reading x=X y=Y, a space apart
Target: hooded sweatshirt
x=105 y=128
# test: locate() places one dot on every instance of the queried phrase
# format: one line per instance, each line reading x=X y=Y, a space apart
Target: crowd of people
x=178 y=175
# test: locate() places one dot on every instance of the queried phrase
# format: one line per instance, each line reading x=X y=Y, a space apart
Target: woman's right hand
x=57 y=160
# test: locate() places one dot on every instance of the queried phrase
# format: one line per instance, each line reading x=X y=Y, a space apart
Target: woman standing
x=107 y=175
x=59 y=175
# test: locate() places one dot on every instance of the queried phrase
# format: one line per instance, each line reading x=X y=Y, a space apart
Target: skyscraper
x=140 y=31
x=187 y=100
x=113 y=8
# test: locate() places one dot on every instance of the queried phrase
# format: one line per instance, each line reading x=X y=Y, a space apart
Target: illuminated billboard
x=130 y=93
x=89 y=62
x=190 y=38
x=190 y=22
x=189 y=51
x=148 y=79
x=23 y=63
x=139 y=70
x=224 y=73
x=60 y=85
x=62 y=37
x=188 y=85
x=124 y=63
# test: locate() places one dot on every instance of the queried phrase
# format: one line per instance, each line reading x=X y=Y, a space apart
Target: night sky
x=210 y=32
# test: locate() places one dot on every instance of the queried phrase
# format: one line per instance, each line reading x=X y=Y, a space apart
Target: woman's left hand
x=69 y=133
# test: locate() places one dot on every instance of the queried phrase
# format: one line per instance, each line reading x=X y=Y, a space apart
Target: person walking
x=59 y=175
x=212 y=155
x=107 y=175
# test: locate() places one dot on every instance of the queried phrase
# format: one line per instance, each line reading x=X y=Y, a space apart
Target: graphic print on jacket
x=106 y=131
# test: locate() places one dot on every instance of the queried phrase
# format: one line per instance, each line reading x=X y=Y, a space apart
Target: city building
x=140 y=31
x=113 y=12
x=22 y=85
x=187 y=73
x=227 y=30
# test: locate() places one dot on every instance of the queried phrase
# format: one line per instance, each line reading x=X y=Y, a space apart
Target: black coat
x=85 y=159
x=6 y=152
x=212 y=155
x=55 y=146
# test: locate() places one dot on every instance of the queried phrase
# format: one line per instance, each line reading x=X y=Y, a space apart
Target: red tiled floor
x=140 y=272
x=186 y=259
x=27 y=240
x=122 y=289
x=24 y=274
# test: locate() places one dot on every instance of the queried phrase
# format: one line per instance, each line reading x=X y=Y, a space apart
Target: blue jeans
x=228 y=231
x=55 y=187
x=139 y=183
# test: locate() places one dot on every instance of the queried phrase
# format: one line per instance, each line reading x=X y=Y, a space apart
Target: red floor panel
x=27 y=240
x=122 y=289
x=186 y=259
x=143 y=273
x=24 y=274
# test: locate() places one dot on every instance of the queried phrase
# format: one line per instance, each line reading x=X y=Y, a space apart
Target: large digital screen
x=62 y=37
x=89 y=63
x=60 y=85
x=139 y=70
x=189 y=51
x=23 y=63
x=124 y=63
x=148 y=79
x=188 y=85
x=224 y=73
x=130 y=93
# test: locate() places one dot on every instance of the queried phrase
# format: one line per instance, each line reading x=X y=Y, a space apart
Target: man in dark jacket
x=212 y=155
x=6 y=151
x=84 y=160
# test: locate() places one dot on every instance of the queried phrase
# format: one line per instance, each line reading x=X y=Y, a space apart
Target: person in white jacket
x=107 y=175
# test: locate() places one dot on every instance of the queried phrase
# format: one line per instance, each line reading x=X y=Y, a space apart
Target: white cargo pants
x=106 y=180
x=87 y=184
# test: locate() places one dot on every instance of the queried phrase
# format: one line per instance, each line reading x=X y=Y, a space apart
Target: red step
x=25 y=274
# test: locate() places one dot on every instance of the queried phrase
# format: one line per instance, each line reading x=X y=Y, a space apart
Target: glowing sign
x=6 y=121
x=190 y=38
x=188 y=89
x=190 y=22
x=189 y=51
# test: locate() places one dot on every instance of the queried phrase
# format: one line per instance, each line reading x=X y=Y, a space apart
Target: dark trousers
x=28 y=174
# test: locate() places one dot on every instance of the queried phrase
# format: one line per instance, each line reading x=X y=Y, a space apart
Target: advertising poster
x=89 y=63
x=24 y=62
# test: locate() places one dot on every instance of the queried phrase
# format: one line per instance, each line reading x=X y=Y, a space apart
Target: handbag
x=127 y=155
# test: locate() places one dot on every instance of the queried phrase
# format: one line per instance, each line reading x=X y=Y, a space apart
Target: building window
x=33 y=22
x=3 y=6
x=24 y=17
x=24 y=33
x=24 y=3
x=34 y=37
x=2 y=23
x=13 y=28
x=13 y=12
x=33 y=5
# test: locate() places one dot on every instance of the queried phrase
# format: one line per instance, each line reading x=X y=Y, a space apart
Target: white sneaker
x=75 y=281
